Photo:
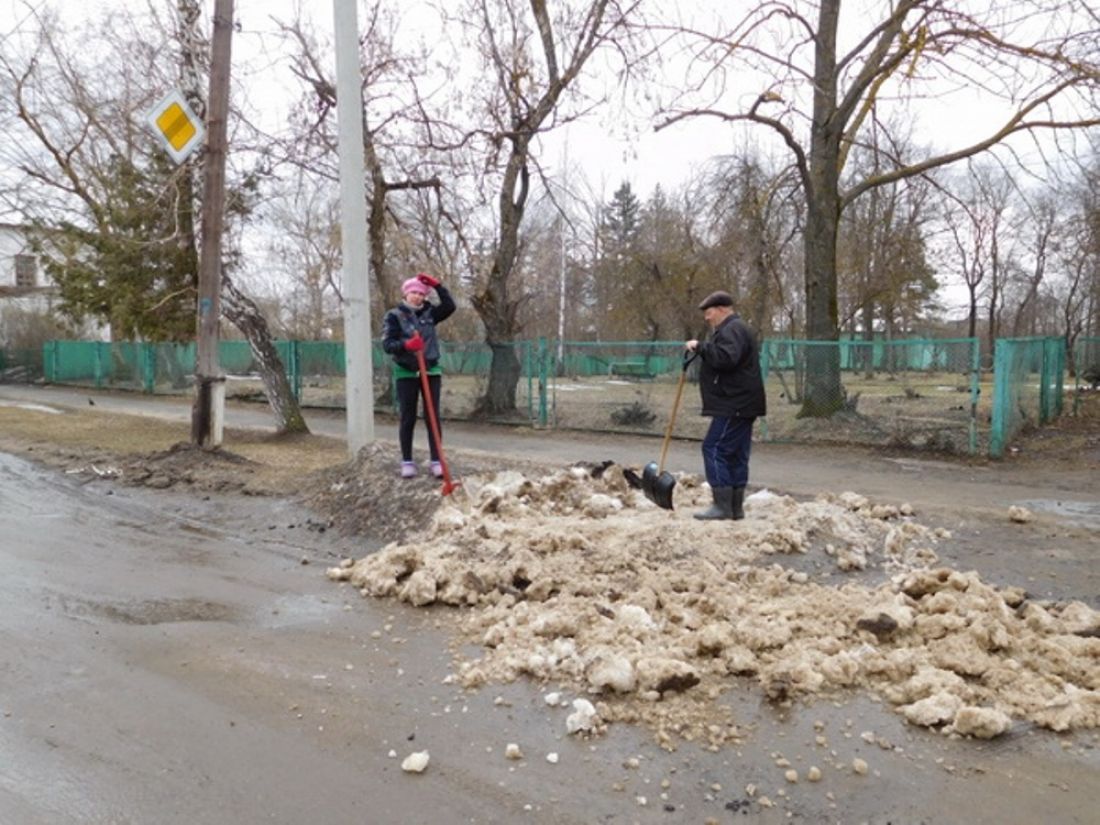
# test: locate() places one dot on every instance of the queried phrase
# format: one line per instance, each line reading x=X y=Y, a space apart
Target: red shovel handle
x=426 y=390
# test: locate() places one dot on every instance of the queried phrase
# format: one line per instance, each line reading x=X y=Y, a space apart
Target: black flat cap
x=717 y=299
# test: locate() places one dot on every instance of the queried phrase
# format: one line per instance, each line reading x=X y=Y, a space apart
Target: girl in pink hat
x=408 y=327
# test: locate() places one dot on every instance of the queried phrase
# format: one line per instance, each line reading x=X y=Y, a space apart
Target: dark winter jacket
x=401 y=322
x=729 y=378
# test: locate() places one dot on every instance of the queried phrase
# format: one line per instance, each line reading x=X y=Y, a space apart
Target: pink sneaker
x=437 y=469
x=408 y=469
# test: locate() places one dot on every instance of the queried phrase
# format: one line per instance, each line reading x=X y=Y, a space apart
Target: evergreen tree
x=620 y=223
x=133 y=270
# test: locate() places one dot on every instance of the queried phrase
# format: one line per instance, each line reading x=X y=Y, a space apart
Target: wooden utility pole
x=208 y=411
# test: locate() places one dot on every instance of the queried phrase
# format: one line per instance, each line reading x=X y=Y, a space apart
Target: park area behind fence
x=928 y=394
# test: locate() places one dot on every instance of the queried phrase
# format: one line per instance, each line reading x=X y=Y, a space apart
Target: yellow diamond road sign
x=179 y=129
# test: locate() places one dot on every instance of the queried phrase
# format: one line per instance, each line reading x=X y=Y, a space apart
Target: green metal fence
x=121 y=364
x=926 y=394
x=1086 y=368
x=913 y=393
x=616 y=386
x=1029 y=381
x=921 y=393
x=315 y=370
x=20 y=365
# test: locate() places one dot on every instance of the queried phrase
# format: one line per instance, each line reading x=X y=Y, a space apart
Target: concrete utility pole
x=207 y=415
x=358 y=368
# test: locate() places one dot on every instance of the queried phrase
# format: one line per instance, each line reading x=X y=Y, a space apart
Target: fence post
x=1002 y=380
x=544 y=351
x=49 y=361
x=97 y=363
x=975 y=391
x=148 y=367
x=765 y=364
x=293 y=357
x=1059 y=345
x=529 y=370
x=1044 y=382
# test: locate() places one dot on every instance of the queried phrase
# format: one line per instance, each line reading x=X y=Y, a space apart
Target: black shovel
x=657 y=484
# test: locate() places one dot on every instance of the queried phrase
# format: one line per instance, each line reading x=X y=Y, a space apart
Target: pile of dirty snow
x=583 y=582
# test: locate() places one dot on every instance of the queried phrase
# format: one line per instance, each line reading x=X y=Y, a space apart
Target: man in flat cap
x=733 y=397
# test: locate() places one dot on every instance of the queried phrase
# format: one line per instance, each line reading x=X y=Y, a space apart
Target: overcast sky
x=607 y=149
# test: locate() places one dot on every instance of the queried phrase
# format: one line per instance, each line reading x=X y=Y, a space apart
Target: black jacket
x=401 y=322
x=729 y=378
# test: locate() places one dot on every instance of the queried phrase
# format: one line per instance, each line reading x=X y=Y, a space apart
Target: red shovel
x=426 y=390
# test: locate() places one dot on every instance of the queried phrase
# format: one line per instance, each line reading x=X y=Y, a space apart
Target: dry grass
x=121 y=434
x=256 y=462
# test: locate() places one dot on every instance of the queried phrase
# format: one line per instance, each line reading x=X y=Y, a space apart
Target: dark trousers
x=408 y=398
x=726 y=448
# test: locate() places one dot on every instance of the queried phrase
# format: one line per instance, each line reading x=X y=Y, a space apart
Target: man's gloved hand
x=415 y=344
x=427 y=280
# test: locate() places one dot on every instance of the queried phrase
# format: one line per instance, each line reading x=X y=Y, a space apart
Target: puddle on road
x=918 y=464
x=155 y=611
x=292 y=610
x=285 y=611
x=1076 y=513
x=25 y=405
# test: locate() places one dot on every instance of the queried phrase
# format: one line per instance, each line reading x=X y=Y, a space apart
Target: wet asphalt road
x=166 y=659
x=172 y=661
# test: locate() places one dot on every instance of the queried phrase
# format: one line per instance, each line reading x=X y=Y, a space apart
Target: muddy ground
x=308 y=508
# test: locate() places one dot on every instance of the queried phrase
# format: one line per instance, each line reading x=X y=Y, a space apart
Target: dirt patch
x=152 y=452
x=1069 y=442
x=366 y=497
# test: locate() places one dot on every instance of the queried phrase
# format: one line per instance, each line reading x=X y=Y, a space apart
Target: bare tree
x=886 y=282
x=394 y=147
x=534 y=59
x=1040 y=233
x=1082 y=269
x=1087 y=252
x=818 y=93
x=241 y=310
x=754 y=215
x=83 y=152
x=978 y=226
x=305 y=253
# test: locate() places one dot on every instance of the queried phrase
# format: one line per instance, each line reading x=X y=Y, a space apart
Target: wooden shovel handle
x=675 y=408
x=433 y=422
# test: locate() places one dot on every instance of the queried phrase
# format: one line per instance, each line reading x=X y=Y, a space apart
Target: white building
x=27 y=290
x=23 y=283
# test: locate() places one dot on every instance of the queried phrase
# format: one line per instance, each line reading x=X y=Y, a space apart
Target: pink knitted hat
x=413 y=285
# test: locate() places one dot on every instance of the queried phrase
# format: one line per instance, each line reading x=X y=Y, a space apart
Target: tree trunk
x=867 y=362
x=824 y=393
x=972 y=314
x=245 y=316
x=499 y=316
x=991 y=333
x=760 y=276
x=504 y=373
x=494 y=306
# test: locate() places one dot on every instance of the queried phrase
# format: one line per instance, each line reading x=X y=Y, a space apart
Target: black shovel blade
x=658 y=486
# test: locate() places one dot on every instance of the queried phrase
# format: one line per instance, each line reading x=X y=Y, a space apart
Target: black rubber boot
x=723 y=505
x=737 y=504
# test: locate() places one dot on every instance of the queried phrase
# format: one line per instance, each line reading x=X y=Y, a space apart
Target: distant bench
x=630 y=369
